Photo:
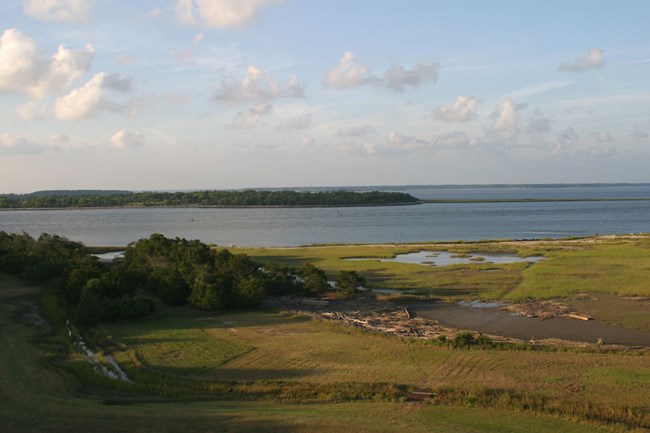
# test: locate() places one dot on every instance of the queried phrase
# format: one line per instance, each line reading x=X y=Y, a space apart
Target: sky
x=219 y=94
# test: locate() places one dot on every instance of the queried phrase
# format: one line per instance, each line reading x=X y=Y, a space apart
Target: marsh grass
x=610 y=264
x=623 y=270
x=448 y=282
x=36 y=397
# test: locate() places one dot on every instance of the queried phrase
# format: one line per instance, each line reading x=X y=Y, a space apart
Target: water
x=301 y=226
x=444 y=258
x=488 y=318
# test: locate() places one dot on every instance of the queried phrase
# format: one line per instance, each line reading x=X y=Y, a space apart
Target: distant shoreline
x=527 y=200
x=215 y=206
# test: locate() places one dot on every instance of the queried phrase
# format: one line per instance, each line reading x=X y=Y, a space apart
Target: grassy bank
x=36 y=397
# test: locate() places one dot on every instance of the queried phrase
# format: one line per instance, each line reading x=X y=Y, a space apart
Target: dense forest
x=156 y=269
x=61 y=199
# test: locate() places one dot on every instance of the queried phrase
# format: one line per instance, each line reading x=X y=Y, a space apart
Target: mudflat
x=508 y=324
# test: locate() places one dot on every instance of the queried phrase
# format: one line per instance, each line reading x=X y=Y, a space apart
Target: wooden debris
x=578 y=316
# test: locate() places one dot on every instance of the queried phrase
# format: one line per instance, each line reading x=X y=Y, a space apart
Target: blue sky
x=210 y=94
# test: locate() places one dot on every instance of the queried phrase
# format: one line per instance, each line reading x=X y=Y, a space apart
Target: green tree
x=347 y=282
x=314 y=280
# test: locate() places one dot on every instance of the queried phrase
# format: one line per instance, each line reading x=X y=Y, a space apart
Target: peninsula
x=211 y=198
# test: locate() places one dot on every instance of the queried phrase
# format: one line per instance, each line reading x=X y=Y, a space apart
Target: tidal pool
x=444 y=258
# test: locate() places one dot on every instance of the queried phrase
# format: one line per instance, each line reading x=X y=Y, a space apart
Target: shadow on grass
x=248 y=374
x=292 y=261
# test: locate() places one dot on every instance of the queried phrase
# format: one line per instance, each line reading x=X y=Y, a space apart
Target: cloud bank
x=257 y=85
x=67 y=11
x=24 y=70
x=351 y=72
x=461 y=110
x=92 y=97
x=217 y=13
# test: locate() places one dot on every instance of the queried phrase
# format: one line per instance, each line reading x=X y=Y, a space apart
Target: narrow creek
x=112 y=370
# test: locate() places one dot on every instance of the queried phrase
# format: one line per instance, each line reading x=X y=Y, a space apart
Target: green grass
x=317 y=353
x=616 y=265
x=37 y=398
x=623 y=270
x=449 y=282
x=173 y=346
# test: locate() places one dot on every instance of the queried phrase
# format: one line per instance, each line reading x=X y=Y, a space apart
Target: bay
x=303 y=226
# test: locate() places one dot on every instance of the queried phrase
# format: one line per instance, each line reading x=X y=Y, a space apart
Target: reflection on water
x=109 y=257
x=444 y=258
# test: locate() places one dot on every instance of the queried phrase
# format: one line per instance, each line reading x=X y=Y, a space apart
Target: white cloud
x=33 y=110
x=154 y=12
x=349 y=73
x=22 y=69
x=598 y=152
x=397 y=76
x=12 y=144
x=257 y=85
x=59 y=138
x=218 y=13
x=538 y=124
x=454 y=139
x=505 y=121
x=87 y=100
x=602 y=137
x=370 y=148
x=461 y=110
x=405 y=143
x=141 y=103
x=592 y=60
x=307 y=142
x=401 y=144
x=182 y=56
x=124 y=139
x=357 y=131
x=564 y=142
x=249 y=118
x=59 y=10
x=298 y=122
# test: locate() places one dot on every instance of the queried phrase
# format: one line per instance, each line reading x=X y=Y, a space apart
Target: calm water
x=427 y=222
x=491 y=320
x=444 y=258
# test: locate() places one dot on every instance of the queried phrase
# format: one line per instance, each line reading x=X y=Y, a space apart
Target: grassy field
x=610 y=265
x=284 y=348
x=266 y=371
x=36 y=397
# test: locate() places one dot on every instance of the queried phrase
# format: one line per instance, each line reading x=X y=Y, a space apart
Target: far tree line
x=62 y=199
x=174 y=271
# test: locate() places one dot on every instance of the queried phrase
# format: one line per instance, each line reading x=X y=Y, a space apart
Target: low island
x=211 y=198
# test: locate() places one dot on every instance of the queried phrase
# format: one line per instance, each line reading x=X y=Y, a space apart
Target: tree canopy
x=175 y=271
x=247 y=198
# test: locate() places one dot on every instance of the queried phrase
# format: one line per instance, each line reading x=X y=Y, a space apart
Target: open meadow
x=269 y=370
x=36 y=397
